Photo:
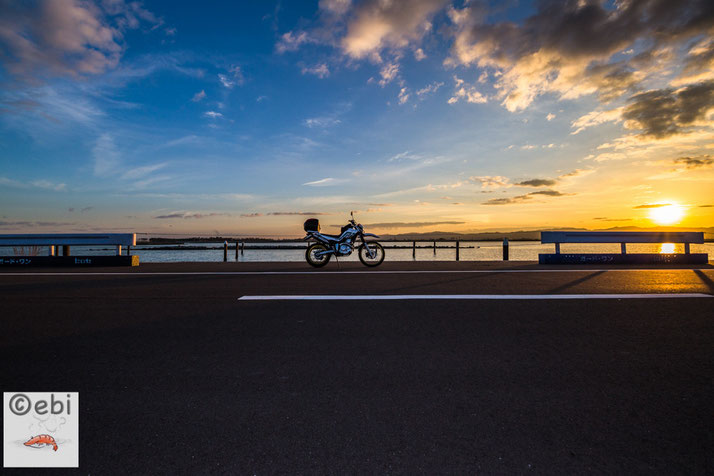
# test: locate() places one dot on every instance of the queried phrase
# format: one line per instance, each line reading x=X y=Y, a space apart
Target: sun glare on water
x=667 y=214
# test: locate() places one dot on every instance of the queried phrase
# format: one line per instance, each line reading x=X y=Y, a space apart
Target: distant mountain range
x=481 y=235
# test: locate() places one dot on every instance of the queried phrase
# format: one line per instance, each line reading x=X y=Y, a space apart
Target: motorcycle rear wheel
x=364 y=256
x=316 y=261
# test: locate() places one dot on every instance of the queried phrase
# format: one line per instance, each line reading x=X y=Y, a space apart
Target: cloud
x=47 y=185
x=199 y=96
x=324 y=121
x=40 y=183
x=538 y=183
x=68 y=37
x=567 y=47
x=403 y=96
x=665 y=112
x=404 y=155
x=611 y=219
x=335 y=7
x=652 y=205
x=695 y=162
x=413 y=224
x=234 y=76
x=389 y=72
x=429 y=89
x=251 y=215
x=594 y=118
x=465 y=92
x=495 y=181
x=325 y=182
x=320 y=70
x=292 y=41
x=379 y=24
x=105 y=155
x=524 y=198
x=550 y=117
x=212 y=114
x=698 y=63
x=140 y=172
x=190 y=215
x=576 y=173
x=419 y=54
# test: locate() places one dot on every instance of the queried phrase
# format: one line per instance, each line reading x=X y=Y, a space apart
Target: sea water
x=468 y=251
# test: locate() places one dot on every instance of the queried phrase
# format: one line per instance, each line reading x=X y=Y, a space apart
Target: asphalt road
x=176 y=375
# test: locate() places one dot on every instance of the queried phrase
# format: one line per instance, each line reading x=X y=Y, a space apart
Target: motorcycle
x=318 y=254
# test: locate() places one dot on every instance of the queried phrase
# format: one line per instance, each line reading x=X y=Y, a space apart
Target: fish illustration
x=40 y=441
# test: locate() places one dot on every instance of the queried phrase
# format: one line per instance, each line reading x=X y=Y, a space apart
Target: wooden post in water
x=51 y=250
x=457 y=250
x=505 y=249
x=413 y=249
x=225 y=251
x=65 y=250
x=435 y=248
x=236 y=251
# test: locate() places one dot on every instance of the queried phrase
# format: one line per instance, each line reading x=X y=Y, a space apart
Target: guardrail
x=240 y=247
x=622 y=237
x=54 y=241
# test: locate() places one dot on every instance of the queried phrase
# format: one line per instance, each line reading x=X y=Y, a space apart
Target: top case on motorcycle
x=312 y=224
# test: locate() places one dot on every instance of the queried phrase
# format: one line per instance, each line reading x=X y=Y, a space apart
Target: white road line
x=393 y=297
x=321 y=273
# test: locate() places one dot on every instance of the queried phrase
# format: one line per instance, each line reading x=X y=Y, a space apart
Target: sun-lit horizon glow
x=246 y=118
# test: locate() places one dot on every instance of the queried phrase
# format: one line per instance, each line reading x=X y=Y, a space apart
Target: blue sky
x=245 y=117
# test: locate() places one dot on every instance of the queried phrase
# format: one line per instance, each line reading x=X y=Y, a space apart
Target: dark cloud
x=653 y=205
x=296 y=213
x=70 y=37
x=695 y=162
x=611 y=219
x=6 y=224
x=550 y=193
x=612 y=80
x=251 y=215
x=665 y=112
x=523 y=198
x=188 y=215
x=413 y=224
x=86 y=209
x=566 y=46
x=538 y=183
x=706 y=206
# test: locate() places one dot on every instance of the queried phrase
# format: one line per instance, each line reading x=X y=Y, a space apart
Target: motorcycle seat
x=337 y=237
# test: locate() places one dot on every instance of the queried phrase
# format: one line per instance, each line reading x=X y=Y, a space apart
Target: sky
x=246 y=118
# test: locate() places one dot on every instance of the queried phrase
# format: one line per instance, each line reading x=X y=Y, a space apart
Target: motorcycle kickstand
x=337 y=260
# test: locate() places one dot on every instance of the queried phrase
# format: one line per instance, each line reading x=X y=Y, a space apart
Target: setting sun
x=667 y=214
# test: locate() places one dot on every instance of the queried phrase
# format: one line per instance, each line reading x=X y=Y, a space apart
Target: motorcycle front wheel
x=375 y=249
x=316 y=261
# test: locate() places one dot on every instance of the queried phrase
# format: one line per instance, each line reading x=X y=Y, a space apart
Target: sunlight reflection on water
x=666 y=248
